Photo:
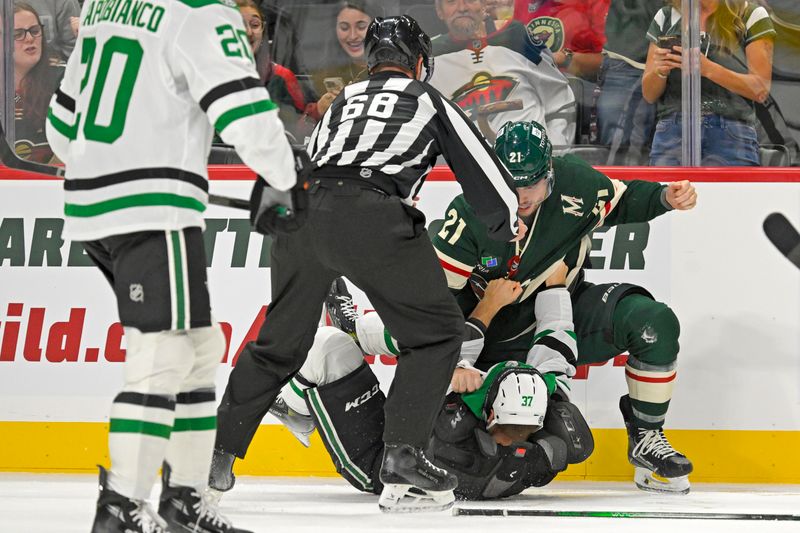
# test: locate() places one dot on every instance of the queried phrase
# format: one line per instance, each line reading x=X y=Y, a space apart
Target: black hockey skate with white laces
x=187 y=510
x=652 y=455
x=340 y=307
x=412 y=484
x=301 y=426
x=119 y=514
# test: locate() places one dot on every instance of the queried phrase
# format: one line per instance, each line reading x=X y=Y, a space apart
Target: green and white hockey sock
x=294 y=394
x=373 y=337
x=192 y=442
x=139 y=430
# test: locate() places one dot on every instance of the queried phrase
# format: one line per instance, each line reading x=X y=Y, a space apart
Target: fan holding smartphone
x=342 y=62
x=736 y=72
x=667 y=55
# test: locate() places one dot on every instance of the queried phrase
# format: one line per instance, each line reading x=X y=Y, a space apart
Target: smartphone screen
x=668 y=41
x=332 y=84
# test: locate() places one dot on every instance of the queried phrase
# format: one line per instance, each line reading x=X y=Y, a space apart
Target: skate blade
x=303 y=438
x=650 y=482
x=399 y=499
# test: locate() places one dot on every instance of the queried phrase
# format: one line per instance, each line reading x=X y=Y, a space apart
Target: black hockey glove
x=272 y=211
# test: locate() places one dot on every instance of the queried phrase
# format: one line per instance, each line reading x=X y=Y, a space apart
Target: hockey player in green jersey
x=562 y=199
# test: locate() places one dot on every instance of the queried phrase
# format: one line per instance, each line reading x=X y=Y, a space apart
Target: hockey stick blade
x=665 y=515
x=784 y=236
x=227 y=201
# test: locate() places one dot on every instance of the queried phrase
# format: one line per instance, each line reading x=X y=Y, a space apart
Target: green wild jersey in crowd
x=582 y=200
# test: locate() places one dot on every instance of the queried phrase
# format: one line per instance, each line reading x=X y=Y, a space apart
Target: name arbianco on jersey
x=134 y=116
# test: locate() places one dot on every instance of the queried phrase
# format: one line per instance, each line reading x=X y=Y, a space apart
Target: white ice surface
x=32 y=503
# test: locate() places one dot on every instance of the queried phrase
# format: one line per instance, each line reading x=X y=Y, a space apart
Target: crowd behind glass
x=605 y=75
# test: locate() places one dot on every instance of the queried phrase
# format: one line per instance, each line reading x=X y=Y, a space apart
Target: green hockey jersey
x=582 y=200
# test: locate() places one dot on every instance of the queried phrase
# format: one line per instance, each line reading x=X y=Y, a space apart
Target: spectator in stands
x=59 y=18
x=345 y=63
x=624 y=118
x=281 y=82
x=475 y=67
x=574 y=30
x=500 y=10
x=35 y=81
x=737 y=39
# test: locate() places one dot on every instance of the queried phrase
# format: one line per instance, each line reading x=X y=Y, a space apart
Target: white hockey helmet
x=521 y=399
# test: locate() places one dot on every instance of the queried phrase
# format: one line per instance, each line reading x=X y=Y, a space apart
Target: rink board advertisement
x=737 y=298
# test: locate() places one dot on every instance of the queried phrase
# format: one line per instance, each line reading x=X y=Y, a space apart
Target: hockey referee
x=370 y=155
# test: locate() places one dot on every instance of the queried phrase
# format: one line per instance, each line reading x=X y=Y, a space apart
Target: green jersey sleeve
x=758 y=24
x=636 y=201
x=456 y=243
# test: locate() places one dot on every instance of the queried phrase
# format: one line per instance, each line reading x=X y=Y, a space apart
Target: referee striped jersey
x=135 y=113
x=387 y=132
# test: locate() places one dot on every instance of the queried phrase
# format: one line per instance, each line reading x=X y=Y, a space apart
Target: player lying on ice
x=515 y=430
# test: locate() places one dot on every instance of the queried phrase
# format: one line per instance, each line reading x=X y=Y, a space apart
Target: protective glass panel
x=589 y=90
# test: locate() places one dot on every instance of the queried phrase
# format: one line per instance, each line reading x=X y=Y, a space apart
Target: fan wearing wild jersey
x=133 y=119
x=562 y=200
x=474 y=68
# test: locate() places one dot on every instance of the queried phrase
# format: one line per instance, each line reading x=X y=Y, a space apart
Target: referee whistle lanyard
x=513 y=263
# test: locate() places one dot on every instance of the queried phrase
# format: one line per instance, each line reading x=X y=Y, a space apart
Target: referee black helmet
x=398 y=41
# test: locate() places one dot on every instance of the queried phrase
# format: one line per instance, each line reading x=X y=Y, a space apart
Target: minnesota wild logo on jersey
x=548 y=31
x=483 y=88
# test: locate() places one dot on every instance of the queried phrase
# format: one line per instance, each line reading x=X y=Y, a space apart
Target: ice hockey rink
x=33 y=503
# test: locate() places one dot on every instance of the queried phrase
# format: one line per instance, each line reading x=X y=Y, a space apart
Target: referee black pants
x=379 y=244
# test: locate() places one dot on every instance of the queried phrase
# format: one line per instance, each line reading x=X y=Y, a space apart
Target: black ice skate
x=340 y=307
x=413 y=484
x=186 y=510
x=118 y=514
x=652 y=455
x=301 y=426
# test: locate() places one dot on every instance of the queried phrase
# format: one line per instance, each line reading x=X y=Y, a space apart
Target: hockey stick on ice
x=784 y=236
x=487 y=110
x=9 y=159
x=460 y=511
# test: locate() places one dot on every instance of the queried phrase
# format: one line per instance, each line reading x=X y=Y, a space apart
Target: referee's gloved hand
x=273 y=211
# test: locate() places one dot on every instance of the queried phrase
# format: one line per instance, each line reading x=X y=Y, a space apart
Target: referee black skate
x=370 y=155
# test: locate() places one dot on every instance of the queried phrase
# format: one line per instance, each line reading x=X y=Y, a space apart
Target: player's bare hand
x=501 y=292
x=681 y=195
x=523 y=229
x=466 y=380
x=559 y=276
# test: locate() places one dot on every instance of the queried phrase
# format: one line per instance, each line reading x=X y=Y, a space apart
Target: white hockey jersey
x=507 y=65
x=146 y=86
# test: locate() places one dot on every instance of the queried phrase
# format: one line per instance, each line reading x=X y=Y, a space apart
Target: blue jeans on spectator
x=724 y=142
x=624 y=118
